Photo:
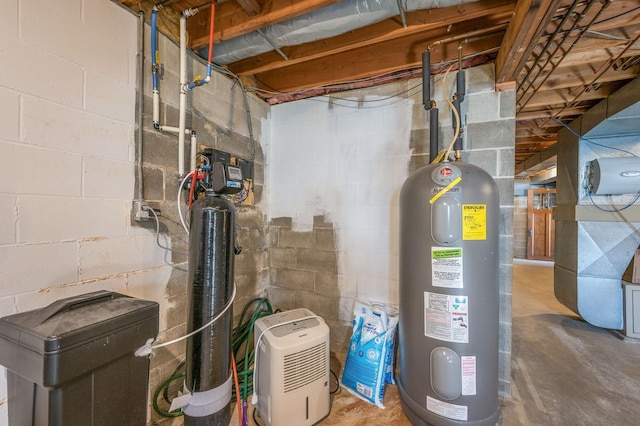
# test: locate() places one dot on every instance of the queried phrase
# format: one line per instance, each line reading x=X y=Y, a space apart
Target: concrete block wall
x=336 y=169
x=520 y=226
x=67 y=96
x=68 y=161
x=304 y=273
x=216 y=112
x=347 y=164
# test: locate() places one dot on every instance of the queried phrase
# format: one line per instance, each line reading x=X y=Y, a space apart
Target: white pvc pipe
x=156 y=107
x=194 y=151
x=183 y=93
x=173 y=129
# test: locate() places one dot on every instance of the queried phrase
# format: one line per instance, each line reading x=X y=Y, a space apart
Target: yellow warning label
x=445 y=190
x=474 y=221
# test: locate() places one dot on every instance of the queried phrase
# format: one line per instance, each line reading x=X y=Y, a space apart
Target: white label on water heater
x=446 y=267
x=446 y=317
x=445 y=409
x=468 y=375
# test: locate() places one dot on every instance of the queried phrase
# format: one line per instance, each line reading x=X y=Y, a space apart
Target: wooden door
x=541 y=226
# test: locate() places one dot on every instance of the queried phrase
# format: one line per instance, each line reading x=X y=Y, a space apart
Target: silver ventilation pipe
x=330 y=21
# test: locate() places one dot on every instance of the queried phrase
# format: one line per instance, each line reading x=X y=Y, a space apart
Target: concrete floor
x=565 y=371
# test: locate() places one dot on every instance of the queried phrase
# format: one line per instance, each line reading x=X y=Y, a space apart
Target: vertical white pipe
x=183 y=93
x=156 y=107
x=194 y=150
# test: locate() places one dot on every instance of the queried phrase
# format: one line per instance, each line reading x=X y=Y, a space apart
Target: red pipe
x=194 y=180
x=213 y=15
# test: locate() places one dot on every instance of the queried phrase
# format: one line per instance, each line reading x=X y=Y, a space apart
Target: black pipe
x=460 y=86
x=433 y=134
x=457 y=145
x=210 y=273
x=456 y=106
x=426 y=79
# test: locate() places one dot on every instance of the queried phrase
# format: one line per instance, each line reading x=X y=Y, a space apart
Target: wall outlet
x=140 y=212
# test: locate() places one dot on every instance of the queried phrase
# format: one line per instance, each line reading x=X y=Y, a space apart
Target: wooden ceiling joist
x=377 y=59
x=387 y=30
x=566 y=95
x=529 y=20
x=232 y=20
x=252 y=7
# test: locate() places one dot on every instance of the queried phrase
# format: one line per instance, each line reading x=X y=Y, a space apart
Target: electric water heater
x=449 y=296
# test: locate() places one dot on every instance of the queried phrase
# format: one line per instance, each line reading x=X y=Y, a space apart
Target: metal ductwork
x=320 y=24
x=596 y=234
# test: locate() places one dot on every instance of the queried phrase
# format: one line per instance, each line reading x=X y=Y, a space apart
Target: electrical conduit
x=140 y=104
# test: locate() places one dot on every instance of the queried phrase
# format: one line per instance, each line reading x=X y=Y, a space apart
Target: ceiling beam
x=564 y=96
x=546 y=113
x=232 y=20
x=546 y=155
x=393 y=55
x=387 y=30
x=529 y=20
x=534 y=127
x=578 y=76
x=594 y=49
x=533 y=140
x=252 y=7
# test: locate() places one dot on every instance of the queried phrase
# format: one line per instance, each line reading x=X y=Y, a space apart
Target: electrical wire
x=343 y=85
x=335 y=376
x=255 y=419
x=455 y=113
x=149 y=209
x=180 y=202
x=348 y=84
x=582 y=138
x=614 y=210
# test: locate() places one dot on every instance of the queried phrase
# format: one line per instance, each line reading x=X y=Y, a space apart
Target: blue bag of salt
x=369 y=362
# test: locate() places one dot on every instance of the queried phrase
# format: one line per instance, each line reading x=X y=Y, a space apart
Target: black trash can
x=73 y=363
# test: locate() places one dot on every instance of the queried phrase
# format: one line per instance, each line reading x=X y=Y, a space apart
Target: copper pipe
x=470 y=36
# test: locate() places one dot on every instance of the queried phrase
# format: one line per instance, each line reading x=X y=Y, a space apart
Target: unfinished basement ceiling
x=562 y=56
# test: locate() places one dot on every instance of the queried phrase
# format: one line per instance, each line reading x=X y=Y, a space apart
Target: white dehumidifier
x=292 y=368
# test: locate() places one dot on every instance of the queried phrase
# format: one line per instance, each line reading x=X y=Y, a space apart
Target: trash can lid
x=68 y=322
